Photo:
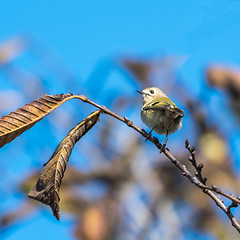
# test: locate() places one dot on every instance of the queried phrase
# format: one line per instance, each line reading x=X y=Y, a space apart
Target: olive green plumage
x=159 y=113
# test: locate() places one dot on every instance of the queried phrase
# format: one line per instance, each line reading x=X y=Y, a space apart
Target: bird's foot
x=164 y=145
x=148 y=135
x=163 y=148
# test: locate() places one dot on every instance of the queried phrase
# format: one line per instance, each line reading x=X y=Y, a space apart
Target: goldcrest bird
x=159 y=113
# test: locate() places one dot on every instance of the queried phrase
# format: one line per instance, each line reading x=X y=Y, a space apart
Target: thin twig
x=192 y=159
x=124 y=119
x=203 y=180
x=231 y=197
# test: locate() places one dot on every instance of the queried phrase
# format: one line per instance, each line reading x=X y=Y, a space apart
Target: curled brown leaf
x=48 y=185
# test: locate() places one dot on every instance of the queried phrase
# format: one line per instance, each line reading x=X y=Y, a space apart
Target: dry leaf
x=48 y=185
x=19 y=121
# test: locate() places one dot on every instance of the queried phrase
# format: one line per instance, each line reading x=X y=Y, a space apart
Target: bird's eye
x=151 y=91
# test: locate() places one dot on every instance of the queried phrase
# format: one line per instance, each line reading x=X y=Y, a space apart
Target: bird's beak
x=143 y=93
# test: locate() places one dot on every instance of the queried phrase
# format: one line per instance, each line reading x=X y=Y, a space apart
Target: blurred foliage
x=116 y=186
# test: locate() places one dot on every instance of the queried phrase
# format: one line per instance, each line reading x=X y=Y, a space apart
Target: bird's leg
x=165 y=142
x=149 y=135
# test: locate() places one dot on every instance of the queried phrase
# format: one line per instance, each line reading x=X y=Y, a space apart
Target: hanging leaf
x=19 y=121
x=48 y=185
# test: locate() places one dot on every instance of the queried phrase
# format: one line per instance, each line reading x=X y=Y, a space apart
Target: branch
x=198 y=180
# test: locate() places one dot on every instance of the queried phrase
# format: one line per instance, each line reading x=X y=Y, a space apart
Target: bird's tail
x=178 y=111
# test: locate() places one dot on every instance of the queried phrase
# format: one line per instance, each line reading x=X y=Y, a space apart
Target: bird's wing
x=158 y=105
x=163 y=105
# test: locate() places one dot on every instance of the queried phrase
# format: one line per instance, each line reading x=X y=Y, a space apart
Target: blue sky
x=83 y=33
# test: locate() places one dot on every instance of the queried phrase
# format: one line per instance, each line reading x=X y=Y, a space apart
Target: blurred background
x=116 y=186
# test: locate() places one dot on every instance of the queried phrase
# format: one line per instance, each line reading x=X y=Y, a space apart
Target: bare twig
x=209 y=190
x=203 y=180
x=124 y=119
x=231 y=197
x=192 y=159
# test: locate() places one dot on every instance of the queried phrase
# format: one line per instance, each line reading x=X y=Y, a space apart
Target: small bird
x=159 y=113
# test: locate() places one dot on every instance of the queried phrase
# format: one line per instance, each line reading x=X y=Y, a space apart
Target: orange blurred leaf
x=94 y=224
x=225 y=78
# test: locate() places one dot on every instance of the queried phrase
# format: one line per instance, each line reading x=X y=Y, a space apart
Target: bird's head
x=151 y=93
